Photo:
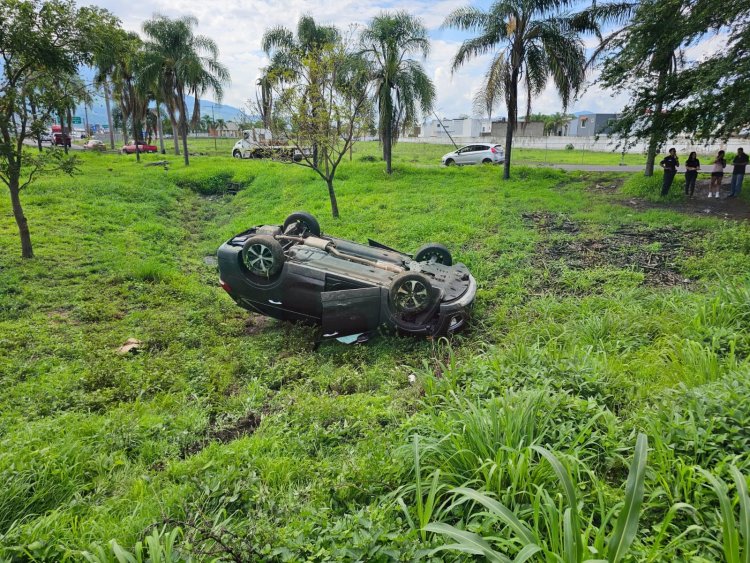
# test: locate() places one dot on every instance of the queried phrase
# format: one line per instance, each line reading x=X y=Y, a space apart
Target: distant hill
x=98 y=114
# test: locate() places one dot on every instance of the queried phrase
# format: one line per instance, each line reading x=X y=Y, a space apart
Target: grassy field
x=429 y=154
x=228 y=436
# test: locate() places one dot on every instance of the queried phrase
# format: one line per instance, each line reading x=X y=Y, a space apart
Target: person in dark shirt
x=669 y=164
x=738 y=173
x=691 y=173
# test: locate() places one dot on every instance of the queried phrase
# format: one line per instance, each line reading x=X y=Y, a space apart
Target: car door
x=465 y=154
x=351 y=311
x=483 y=153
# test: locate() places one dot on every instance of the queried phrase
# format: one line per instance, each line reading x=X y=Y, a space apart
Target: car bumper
x=454 y=314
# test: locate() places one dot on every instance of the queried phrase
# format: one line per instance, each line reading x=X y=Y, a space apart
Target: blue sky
x=238 y=25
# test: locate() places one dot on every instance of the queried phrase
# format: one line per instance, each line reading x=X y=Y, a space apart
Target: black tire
x=236 y=154
x=436 y=252
x=263 y=256
x=487 y=161
x=306 y=223
x=411 y=293
x=450 y=162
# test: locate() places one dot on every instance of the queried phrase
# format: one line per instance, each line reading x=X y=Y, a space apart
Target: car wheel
x=450 y=162
x=411 y=293
x=263 y=256
x=305 y=223
x=237 y=154
x=434 y=252
x=487 y=161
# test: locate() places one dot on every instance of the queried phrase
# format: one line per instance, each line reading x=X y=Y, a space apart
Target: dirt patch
x=552 y=222
x=255 y=324
x=223 y=433
x=606 y=185
x=655 y=252
x=730 y=209
x=722 y=208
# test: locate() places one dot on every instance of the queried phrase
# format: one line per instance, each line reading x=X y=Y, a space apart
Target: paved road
x=601 y=167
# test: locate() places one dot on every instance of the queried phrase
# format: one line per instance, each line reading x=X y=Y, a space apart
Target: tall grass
x=559 y=531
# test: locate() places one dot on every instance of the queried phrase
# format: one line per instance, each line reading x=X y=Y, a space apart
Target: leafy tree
x=291 y=58
x=401 y=84
x=536 y=42
x=263 y=104
x=327 y=106
x=716 y=104
x=183 y=64
x=643 y=58
x=40 y=43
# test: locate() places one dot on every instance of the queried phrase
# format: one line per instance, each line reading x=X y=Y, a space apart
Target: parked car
x=94 y=145
x=481 y=153
x=46 y=137
x=294 y=272
x=61 y=139
x=142 y=147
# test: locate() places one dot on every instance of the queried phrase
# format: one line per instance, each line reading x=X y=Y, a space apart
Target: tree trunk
x=184 y=129
x=109 y=116
x=23 y=225
x=175 y=133
x=656 y=129
x=183 y=124
x=136 y=136
x=332 y=196
x=387 y=144
x=159 y=130
x=69 y=115
x=512 y=117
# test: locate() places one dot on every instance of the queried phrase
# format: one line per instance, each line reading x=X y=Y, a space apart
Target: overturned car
x=294 y=272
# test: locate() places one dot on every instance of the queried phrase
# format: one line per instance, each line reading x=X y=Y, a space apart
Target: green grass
x=566 y=353
x=429 y=154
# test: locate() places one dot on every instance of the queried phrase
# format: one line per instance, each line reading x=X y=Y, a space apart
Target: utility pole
x=213 y=123
x=444 y=129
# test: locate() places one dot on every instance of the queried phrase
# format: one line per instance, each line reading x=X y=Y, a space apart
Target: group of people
x=670 y=163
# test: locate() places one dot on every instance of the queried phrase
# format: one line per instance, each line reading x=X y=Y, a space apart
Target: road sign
x=77 y=120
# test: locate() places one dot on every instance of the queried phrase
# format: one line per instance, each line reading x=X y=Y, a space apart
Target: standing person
x=691 y=173
x=738 y=173
x=669 y=163
x=717 y=174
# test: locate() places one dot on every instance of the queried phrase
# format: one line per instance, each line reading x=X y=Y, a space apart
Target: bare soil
x=224 y=433
x=656 y=252
x=733 y=209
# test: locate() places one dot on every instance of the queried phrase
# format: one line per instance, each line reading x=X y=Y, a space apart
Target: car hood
x=450 y=154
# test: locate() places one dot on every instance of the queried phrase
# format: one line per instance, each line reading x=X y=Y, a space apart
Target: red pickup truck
x=142 y=147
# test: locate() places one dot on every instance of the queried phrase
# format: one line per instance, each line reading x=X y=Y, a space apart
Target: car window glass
x=471 y=148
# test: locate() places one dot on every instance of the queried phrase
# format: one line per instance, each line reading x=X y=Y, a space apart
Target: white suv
x=476 y=154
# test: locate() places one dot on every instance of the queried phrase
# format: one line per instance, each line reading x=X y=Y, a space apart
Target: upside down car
x=294 y=272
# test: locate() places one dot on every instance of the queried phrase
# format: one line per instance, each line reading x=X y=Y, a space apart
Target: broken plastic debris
x=349 y=339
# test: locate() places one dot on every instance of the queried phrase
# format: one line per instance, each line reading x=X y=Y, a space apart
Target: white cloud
x=238 y=25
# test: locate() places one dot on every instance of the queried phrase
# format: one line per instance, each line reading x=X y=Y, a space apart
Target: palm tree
x=183 y=64
x=401 y=84
x=289 y=54
x=532 y=42
x=556 y=122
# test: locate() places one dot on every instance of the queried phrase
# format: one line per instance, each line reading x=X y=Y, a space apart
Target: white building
x=468 y=127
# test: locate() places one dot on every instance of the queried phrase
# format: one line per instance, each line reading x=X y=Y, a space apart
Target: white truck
x=255 y=145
